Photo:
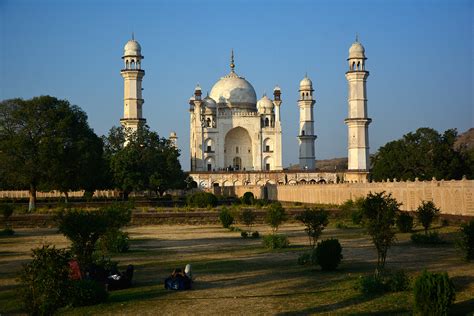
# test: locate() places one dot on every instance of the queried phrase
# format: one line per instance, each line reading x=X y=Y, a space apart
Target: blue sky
x=420 y=58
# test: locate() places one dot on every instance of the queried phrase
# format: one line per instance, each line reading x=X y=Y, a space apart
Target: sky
x=420 y=58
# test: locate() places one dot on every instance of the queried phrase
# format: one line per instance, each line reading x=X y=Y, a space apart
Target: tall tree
x=141 y=160
x=423 y=154
x=46 y=143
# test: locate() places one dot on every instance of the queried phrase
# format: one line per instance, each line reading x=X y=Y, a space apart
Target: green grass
x=237 y=276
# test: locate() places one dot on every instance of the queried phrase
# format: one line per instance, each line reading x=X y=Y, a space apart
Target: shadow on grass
x=462 y=282
x=463 y=308
x=137 y=293
x=333 y=306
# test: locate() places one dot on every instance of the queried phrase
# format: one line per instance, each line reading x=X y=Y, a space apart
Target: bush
x=6 y=210
x=328 y=254
x=404 y=222
x=341 y=225
x=385 y=282
x=45 y=285
x=244 y=235
x=114 y=241
x=202 y=199
x=247 y=217
x=432 y=238
x=433 y=293
x=357 y=217
x=465 y=241
x=304 y=259
x=248 y=198
x=275 y=216
x=397 y=281
x=7 y=232
x=255 y=234
x=426 y=213
x=315 y=220
x=88 y=292
x=370 y=284
x=275 y=241
x=226 y=217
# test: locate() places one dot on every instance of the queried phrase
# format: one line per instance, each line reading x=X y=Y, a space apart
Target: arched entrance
x=238 y=149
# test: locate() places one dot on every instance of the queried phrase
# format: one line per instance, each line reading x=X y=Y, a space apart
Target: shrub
x=304 y=259
x=328 y=254
x=315 y=220
x=6 y=210
x=84 y=228
x=433 y=294
x=379 y=212
x=244 y=234
x=384 y=282
x=247 y=217
x=260 y=202
x=370 y=284
x=255 y=234
x=45 y=285
x=357 y=217
x=275 y=241
x=114 y=241
x=404 y=222
x=202 y=199
x=341 y=225
x=432 y=238
x=426 y=213
x=226 y=217
x=88 y=292
x=248 y=198
x=7 y=232
x=465 y=241
x=275 y=216
x=397 y=281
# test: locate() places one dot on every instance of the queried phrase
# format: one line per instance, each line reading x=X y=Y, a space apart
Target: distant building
x=235 y=139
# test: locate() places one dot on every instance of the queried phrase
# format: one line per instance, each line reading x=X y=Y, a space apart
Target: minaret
x=278 y=148
x=357 y=120
x=306 y=133
x=132 y=75
x=174 y=140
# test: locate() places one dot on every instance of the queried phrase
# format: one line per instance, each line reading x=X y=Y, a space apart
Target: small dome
x=209 y=102
x=277 y=88
x=357 y=50
x=265 y=103
x=306 y=83
x=235 y=92
x=132 y=48
x=173 y=135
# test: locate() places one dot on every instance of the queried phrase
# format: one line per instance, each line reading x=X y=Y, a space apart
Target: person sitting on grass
x=179 y=280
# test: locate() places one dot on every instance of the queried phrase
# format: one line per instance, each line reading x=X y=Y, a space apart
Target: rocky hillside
x=465 y=139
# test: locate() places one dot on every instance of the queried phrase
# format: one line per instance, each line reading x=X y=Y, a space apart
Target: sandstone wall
x=452 y=197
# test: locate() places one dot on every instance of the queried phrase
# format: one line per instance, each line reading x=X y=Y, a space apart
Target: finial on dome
x=133 y=36
x=232 y=65
x=357 y=37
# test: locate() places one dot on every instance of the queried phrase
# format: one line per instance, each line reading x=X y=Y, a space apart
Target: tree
x=275 y=216
x=426 y=213
x=248 y=217
x=423 y=154
x=141 y=160
x=46 y=143
x=379 y=212
x=84 y=228
x=315 y=221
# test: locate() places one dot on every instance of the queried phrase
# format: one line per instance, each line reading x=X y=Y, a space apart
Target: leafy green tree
x=84 y=228
x=248 y=217
x=46 y=143
x=275 y=216
x=423 y=154
x=379 y=211
x=426 y=213
x=315 y=221
x=141 y=160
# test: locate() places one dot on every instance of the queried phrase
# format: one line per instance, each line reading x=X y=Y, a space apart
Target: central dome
x=235 y=92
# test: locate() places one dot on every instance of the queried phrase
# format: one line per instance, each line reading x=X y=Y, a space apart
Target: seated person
x=119 y=280
x=179 y=279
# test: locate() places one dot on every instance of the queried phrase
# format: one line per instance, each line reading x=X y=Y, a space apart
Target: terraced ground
x=237 y=276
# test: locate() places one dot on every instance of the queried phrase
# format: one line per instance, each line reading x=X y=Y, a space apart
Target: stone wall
x=452 y=197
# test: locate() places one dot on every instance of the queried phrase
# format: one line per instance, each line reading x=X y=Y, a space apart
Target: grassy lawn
x=237 y=276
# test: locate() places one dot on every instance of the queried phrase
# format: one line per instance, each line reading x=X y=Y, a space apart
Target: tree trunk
x=32 y=204
x=66 y=197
